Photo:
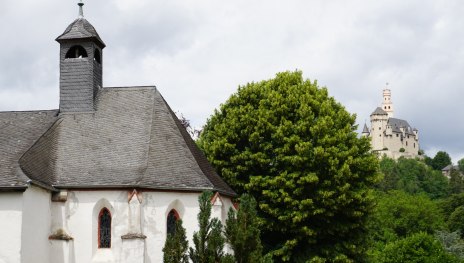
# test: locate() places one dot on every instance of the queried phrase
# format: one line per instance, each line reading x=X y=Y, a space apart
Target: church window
x=173 y=216
x=104 y=229
x=97 y=56
x=76 y=52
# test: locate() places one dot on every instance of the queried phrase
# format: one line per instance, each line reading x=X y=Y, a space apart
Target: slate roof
x=365 y=129
x=396 y=124
x=379 y=111
x=18 y=132
x=80 y=29
x=133 y=139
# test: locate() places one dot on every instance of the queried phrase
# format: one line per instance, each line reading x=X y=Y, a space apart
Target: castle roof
x=81 y=29
x=379 y=111
x=365 y=129
x=132 y=140
x=397 y=124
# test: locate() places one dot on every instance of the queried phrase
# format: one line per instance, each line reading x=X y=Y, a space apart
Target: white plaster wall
x=82 y=207
x=10 y=229
x=35 y=226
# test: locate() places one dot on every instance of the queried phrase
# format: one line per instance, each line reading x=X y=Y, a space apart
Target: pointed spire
x=81 y=11
x=365 y=129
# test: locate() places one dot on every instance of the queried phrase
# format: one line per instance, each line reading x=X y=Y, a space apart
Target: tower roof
x=379 y=111
x=365 y=129
x=81 y=29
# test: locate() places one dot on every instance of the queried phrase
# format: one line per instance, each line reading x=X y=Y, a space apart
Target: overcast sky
x=197 y=52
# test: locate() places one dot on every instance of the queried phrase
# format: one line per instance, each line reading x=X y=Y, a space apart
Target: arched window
x=173 y=216
x=97 y=56
x=76 y=52
x=104 y=229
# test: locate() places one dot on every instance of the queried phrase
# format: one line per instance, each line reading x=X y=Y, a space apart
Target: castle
x=391 y=136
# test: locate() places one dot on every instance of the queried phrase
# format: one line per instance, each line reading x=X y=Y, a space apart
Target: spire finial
x=81 y=11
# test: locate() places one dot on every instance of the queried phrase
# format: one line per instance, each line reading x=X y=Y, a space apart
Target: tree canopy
x=295 y=149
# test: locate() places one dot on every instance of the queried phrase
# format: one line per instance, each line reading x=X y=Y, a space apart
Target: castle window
x=173 y=216
x=397 y=135
x=406 y=143
x=76 y=52
x=97 y=56
x=380 y=128
x=104 y=229
x=414 y=145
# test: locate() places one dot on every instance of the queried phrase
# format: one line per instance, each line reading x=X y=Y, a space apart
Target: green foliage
x=419 y=247
x=208 y=241
x=441 y=160
x=176 y=246
x=398 y=215
x=242 y=232
x=402 y=150
x=461 y=165
x=452 y=242
x=456 y=220
x=412 y=176
x=456 y=182
x=295 y=149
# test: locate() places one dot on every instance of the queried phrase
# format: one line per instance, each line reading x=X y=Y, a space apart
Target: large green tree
x=412 y=176
x=296 y=150
x=419 y=247
x=441 y=160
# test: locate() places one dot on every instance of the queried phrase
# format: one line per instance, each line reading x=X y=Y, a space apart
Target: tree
x=461 y=165
x=455 y=221
x=456 y=182
x=419 y=247
x=295 y=149
x=176 y=246
x=398 y=215
x=441 y=160
x=412 y=176
x=208 y=241
x=242 y=232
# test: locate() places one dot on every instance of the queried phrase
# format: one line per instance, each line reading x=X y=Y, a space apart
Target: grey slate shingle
x=133 y=139
x=18 y=132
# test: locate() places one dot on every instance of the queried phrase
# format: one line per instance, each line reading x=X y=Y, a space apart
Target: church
x=104 y=177
x=391 y=136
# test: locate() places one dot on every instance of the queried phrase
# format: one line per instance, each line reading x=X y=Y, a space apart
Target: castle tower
x=81 y=73
x=387 y=104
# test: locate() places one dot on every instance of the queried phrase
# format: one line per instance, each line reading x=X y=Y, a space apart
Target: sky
x=197 y=53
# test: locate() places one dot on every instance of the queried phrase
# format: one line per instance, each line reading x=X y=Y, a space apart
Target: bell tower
x=387 y=104
x=81 y=70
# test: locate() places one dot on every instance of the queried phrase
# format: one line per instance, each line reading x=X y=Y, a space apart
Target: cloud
x=198 y=52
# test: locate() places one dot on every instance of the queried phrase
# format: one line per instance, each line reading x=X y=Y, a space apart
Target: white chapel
x=104 y=177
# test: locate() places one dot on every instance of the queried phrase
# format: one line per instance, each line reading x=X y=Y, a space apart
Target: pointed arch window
x=76 y=52
x=104 y=228
x=173 y=216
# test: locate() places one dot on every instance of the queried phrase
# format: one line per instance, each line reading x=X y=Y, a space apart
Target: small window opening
x=414 y=145
x=97 y=56
x=104 y=229
x=406 y=143
x=173 y=216
x=76 y=52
